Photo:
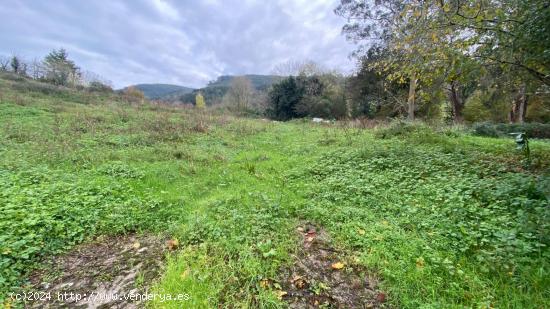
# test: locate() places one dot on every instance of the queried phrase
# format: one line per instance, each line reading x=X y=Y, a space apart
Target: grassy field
x=445 y=219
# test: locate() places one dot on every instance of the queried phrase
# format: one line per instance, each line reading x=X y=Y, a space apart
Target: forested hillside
x=216 y=89
x=160 y=91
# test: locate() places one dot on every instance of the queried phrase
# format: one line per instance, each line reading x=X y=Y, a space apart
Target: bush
x=32 y=86
x=533 y=130
x=12 y=76
x=133 y=94
x=283 y=98
x=400 y=128
x=96 y=86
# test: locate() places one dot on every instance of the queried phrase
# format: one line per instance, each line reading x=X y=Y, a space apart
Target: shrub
x=12 y=76
x=96 y=86
x=400 y=128
x=533 y=130
x=120 y=170
x=283 y=98
x=134 y=95
x=32 y=86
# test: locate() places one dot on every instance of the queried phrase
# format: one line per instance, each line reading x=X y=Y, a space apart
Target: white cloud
x=188 y=43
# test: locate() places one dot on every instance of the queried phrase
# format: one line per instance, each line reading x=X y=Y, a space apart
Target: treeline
x=455 y=60
x=439 y=61
x=56 y=68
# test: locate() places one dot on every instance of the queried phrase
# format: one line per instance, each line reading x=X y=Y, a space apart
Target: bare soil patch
x=103 y=273
x=320 y=277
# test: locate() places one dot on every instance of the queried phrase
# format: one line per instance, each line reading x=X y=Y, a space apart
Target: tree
x=448 y=41
x=15 y=64
x=4 y=63
x=283 y=99
x=240 y=94
x=133 y=94
x=36 y=69
x=372 y=93
x=386 y=24
x=199 y=101
x=60 y=70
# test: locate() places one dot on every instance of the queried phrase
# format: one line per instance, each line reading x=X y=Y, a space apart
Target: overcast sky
x=179 y=42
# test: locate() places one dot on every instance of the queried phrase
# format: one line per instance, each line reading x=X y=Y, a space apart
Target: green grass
x=446 y=219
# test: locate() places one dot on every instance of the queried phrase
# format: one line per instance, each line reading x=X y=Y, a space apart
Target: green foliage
x=459 y=47
x=199 y=101
x=97 y=86
x=400 y=128
x=160 y=91
x=477 y=230
x=60 y=70
x=217 y=89
x=283 y=99
x=133 y=94
x=446 y=219
x=46 y=211
x=15 y=64
x=307 y=96
x=120 y=170
x=28 y=85
x=533 y=130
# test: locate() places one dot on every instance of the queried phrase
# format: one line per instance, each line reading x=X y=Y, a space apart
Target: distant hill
x=216 y=89
x=259 y=82
x=159 y=91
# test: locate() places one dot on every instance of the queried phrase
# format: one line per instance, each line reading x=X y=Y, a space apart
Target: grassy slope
x=436 y=216
x=157 y=91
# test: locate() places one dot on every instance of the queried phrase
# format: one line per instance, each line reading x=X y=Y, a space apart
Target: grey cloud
x=182 y=42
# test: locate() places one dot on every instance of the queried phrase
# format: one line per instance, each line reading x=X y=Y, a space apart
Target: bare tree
x=239 y=96
x=295 y=68
x=4 y=63
x=36 y=69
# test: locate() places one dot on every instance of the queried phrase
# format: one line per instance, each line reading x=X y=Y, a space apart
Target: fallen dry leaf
x=280 y=294
x=185 y=274
x=420 y=262
x=136 y=245
x=264 y=283
x=299 y=282
x=381 y=297
x=172 y=244
x=337 y=265
x=311 y=233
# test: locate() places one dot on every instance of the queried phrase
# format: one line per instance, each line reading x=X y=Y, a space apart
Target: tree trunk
x=410 y=100
x=519 y=106
x=522 y=109
x=457 y=102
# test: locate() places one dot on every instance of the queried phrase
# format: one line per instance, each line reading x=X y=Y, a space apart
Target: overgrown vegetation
x=533 y=130
x=445 y=218
x=443 y=228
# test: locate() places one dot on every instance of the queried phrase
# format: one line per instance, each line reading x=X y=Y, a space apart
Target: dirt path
x=102 y=274
x=320 y=278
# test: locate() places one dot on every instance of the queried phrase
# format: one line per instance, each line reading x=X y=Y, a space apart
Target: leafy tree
x=15 y=64
x=452 y=42
x=59 y=69
x=384 y=24
x=372 y=95
x=199 y=101
x=283 y=99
